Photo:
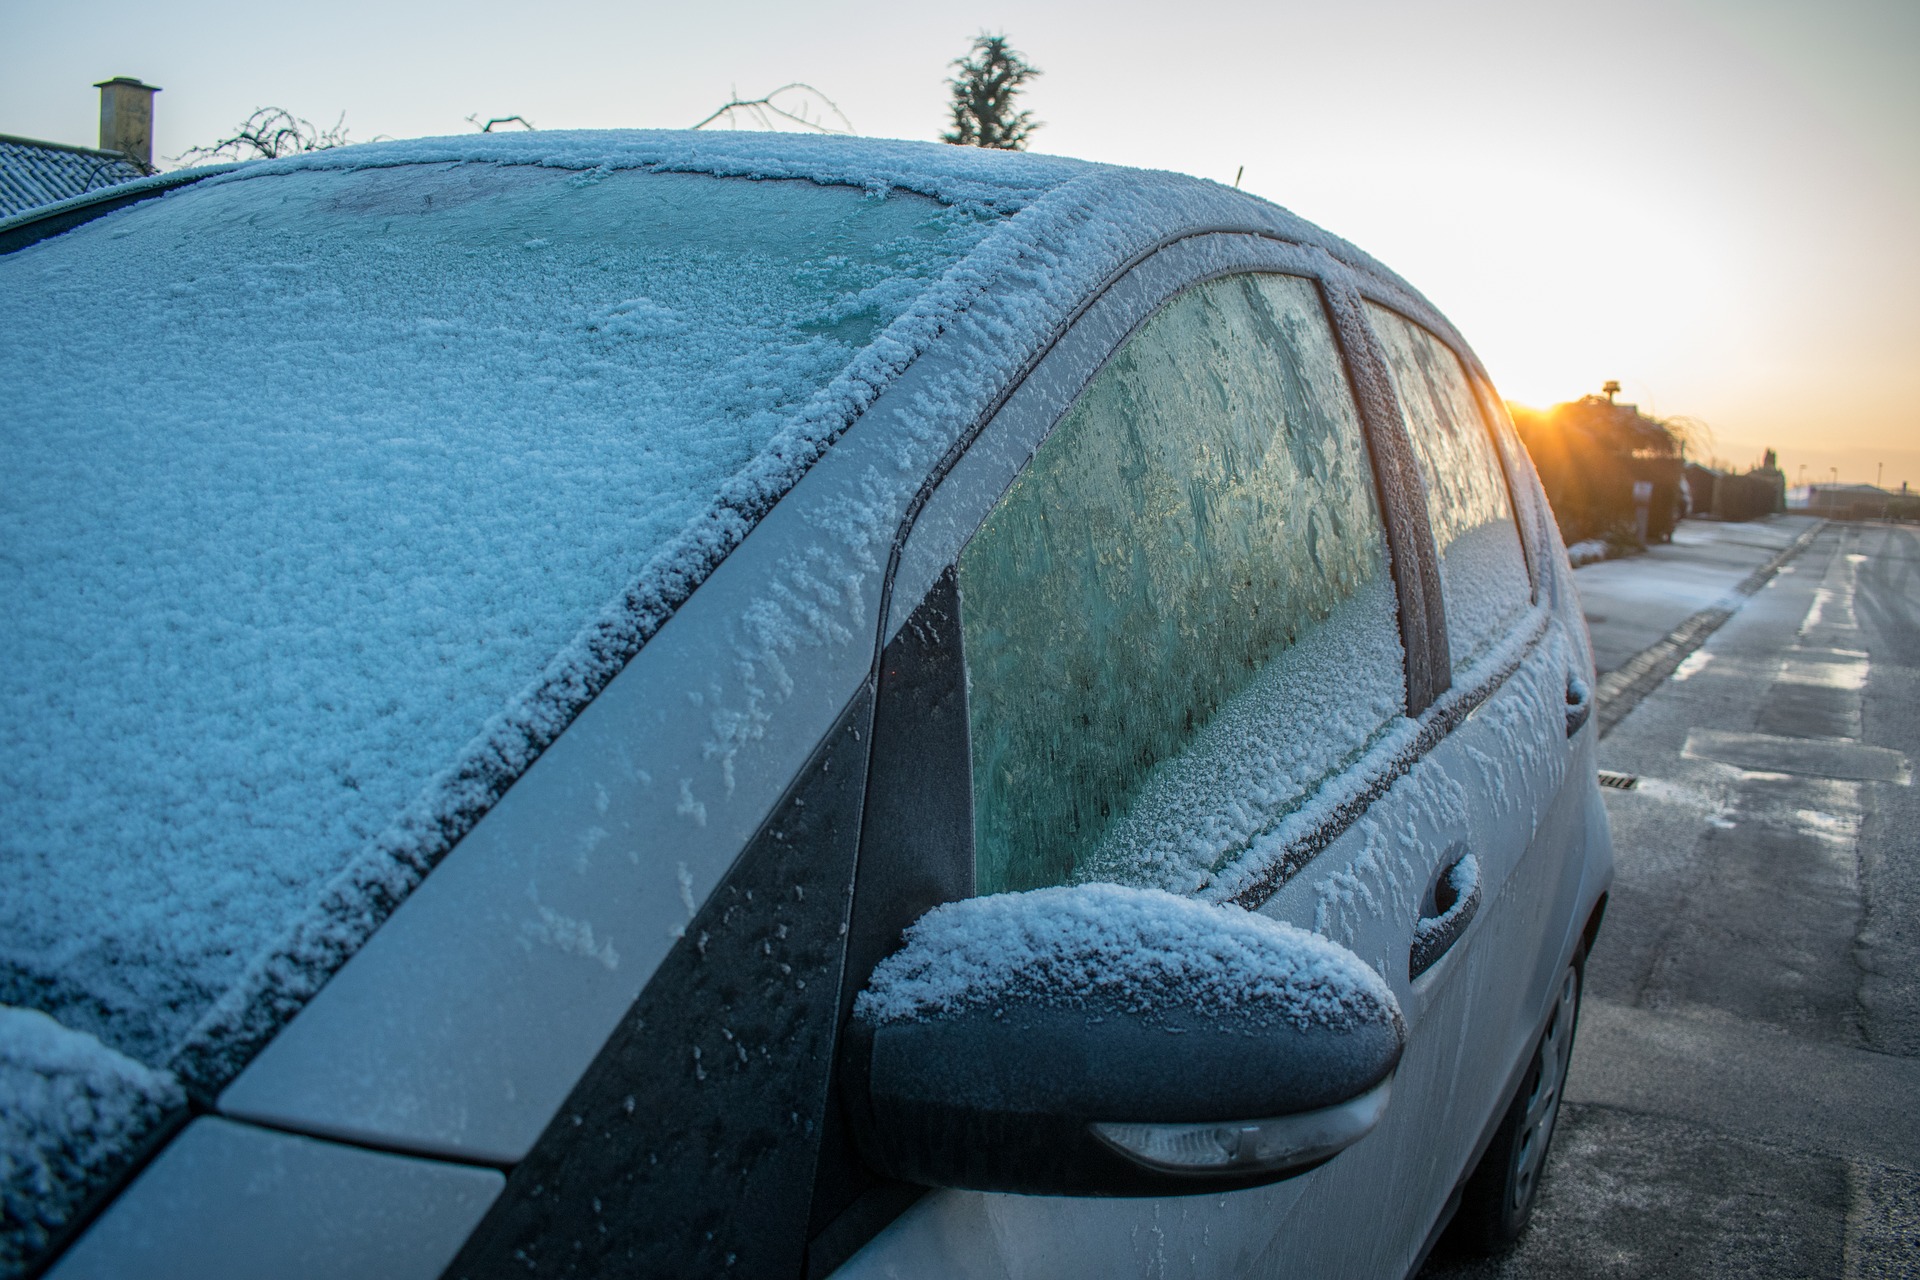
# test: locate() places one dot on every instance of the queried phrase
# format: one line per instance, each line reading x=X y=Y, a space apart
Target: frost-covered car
x=662 y=704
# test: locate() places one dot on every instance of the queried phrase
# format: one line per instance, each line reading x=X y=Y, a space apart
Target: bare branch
x=763 y=110
x=268 y=133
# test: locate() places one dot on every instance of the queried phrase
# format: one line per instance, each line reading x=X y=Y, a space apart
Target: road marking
x=1843 y=827
x=1618 y=691
x=1834 y=597
x=1811 y=757
x=1693 y=665
x=1844 y=673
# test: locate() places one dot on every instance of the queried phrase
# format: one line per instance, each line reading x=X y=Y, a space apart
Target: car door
x=1516 y=710
x=1175 y=584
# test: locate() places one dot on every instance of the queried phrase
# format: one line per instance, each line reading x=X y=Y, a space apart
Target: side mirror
x=1101 y=1040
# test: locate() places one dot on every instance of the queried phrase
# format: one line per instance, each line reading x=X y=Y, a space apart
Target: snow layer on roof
x=1003 y=182
x=311 y=475
x=36 y=174
x=968 y=177
x=1144 y=949
x=70 y=1109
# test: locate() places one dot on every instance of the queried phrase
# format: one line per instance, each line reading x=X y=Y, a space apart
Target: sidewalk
x=1632 y=603
x=1647 y=613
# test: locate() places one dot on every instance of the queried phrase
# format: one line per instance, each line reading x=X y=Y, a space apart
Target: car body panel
x=231 y=1200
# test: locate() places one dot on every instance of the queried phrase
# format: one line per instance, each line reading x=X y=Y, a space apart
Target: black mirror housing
x=1099 y=1040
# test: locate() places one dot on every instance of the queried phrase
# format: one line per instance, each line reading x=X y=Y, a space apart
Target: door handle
x=1449 y=908
x=1579 y=702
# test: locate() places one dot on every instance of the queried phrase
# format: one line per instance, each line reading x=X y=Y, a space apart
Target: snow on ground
x=1590 y=551
x=1632 y=602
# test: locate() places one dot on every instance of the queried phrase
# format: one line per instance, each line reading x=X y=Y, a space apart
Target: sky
x=1714 y=202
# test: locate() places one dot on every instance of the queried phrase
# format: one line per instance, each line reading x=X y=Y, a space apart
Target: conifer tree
x=983 y=93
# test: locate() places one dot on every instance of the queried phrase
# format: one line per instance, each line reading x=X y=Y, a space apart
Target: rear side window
x=1482 y=572
x=1179 y=619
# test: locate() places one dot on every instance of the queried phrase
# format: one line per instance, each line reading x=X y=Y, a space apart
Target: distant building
x=34 y=173
x=1857 y=502
x=1727 y=496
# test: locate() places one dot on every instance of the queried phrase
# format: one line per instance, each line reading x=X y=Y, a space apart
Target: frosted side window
x=1483 y=575
x=1179 y=621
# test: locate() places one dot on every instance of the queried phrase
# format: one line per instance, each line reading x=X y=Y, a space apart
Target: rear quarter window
x=1483 y=572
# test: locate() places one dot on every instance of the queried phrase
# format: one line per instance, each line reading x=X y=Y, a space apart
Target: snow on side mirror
x=1101 y=1040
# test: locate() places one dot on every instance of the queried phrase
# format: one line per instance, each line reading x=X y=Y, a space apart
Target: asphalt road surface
x=1745 y=1093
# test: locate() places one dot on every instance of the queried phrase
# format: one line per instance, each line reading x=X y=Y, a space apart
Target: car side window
x=1179 y=619
x=1483 y=573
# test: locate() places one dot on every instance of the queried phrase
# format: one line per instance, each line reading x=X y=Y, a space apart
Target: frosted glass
x=1178 y=619
x=1483 y=575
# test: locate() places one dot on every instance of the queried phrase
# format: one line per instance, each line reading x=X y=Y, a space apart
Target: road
x=1745 y=1095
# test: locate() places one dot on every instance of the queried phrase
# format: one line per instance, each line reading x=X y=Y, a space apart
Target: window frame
x=1493 y=418
x=1507 y=450
x=969 y=481
x=1305 y=294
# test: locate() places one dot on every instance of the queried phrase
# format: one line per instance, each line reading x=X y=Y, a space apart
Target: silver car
x=670 y=704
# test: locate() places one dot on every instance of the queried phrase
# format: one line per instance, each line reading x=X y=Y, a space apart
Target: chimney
x=126 y=119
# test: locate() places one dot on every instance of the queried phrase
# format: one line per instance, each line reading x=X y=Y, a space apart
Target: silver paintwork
x=229 y=1201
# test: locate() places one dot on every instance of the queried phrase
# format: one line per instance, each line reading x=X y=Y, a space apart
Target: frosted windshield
x=1179 y=620
x=309 y=475
x=1483 y=576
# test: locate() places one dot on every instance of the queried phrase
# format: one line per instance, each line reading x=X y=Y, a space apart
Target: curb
x=1619 y=691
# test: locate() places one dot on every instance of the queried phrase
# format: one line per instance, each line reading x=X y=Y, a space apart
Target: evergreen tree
x=983 y=93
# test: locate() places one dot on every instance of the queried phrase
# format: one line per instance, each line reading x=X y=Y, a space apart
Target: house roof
x=39 y=173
